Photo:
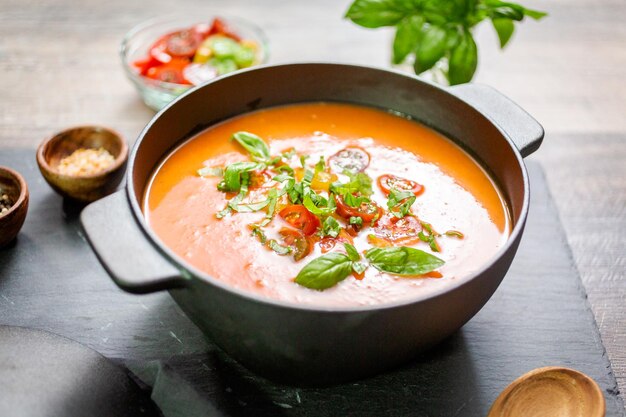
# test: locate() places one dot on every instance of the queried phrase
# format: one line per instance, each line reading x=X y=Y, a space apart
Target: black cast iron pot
x=307 y=344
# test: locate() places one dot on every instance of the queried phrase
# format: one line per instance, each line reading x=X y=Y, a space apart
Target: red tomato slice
x=171 y=72
x=158 y=51
x=368 y=211
x=351 y=159
x=183 y=43
x=259 y=179
x=300 y=244
x=219 y=27
x=299 y=217
x=143 y=65
x=403 y=230
x=387 y=182
x=328 y=243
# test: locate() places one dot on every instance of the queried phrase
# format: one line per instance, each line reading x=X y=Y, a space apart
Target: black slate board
x=539 y=316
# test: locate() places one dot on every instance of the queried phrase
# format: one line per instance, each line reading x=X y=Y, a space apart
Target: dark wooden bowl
x=11 y=222
x=85 y=188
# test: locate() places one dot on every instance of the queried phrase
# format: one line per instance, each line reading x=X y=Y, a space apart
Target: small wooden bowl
x=85 y=188
x=550 y=392
x=11 y=222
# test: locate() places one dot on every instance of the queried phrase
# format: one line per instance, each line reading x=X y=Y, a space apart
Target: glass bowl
x=137 y=42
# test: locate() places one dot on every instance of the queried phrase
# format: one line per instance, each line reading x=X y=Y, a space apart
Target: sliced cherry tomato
x=259 y=179
x=172 y=72
x=182 y=43
x=387 y=182
x=368 y=211
x=322 y=180
x=220 y=27
x=351 y=159
x=379 y=242
x=158 y=50
x=300 y=244
x=299 y=217
x=328 y=243
x=403 y=230
x=143 y=65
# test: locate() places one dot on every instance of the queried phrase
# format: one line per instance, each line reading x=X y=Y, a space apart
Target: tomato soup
x=327 y=204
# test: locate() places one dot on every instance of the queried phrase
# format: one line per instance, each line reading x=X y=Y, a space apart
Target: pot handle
x=124 y=250
x=522 y=128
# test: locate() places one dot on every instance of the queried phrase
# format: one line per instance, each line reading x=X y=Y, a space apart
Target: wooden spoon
x=550 y=392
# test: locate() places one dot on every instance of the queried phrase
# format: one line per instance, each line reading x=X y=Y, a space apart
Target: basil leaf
x=258 y=232
x=324 y=207
x=354 y=201
x=321 y=165
x=211 y=172
x=278 y=248
x=399 y=202
x=353 y=254
x=376 y=13
x=324 y=272
x=331 y=227
x=403 y=260
x=535 y=14
x=463 y=60
x=357 y=221
x=359 y=183
x=407 y=37
x=248 y=207
x=455 y=233
x=359 y=267
x=504 y=28
x=253 y=144
x=233 y=175
x=431 y=48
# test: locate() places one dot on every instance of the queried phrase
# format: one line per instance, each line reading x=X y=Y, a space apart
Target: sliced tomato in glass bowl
x=219 y=27
x=144 y=64
x=388 y=182
x=367 y=211
x=301 y=218
x=172 y=72
x=183 y=43
x=351 y=159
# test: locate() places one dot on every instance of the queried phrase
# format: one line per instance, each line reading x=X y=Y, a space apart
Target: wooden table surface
x=59 y=67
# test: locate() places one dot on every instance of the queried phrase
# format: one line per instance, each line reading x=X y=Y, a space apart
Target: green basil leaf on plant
x=504 y=28
x=353 y=254
x=376 y=13
x=403 y=260
x=535 y=14
x=463 y=60
x=431 y=48
x=253 y=144
x=325 y=272
x=407 y=37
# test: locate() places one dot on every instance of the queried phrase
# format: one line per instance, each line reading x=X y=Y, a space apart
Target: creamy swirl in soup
x=327 y=204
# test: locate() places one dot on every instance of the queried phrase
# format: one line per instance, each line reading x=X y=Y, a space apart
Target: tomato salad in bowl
x=165 y=57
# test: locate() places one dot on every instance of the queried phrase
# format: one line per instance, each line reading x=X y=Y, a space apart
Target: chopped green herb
x=357 y=221
x=321 y=165
x=278 y=248
x=399 y=202
x=359 y=267
x=455 y=233
x=330 y=227
x=258 y=232
x=234 y=173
